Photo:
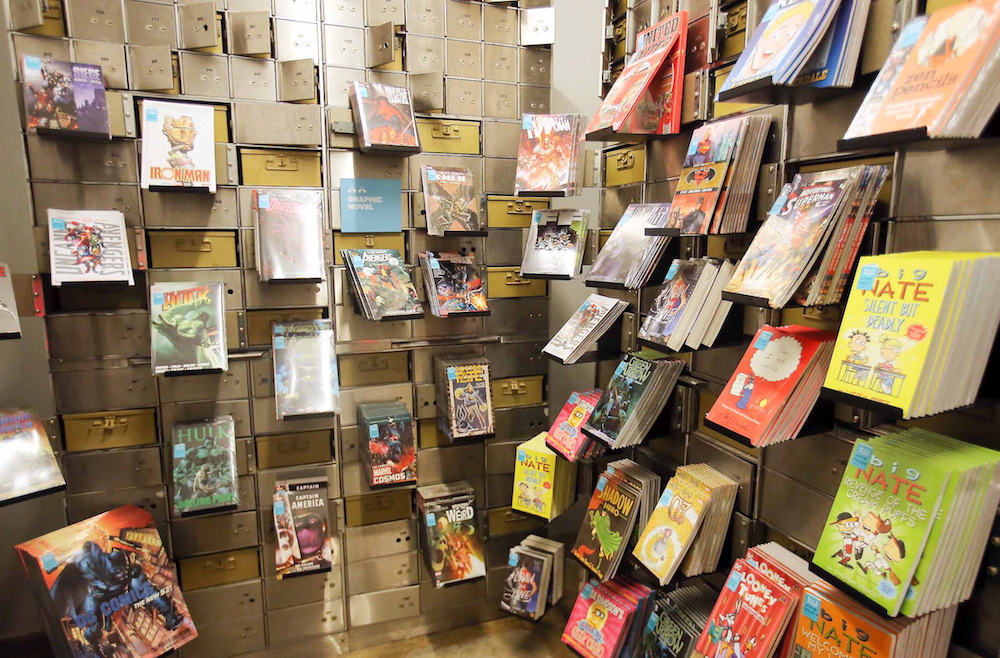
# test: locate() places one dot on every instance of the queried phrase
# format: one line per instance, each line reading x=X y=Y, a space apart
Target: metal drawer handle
x=193 y=244
x=377 y=504
x=519 y=208
x=514 y=279
x=373 y=364
x=227 y=564
x=514 y=387
x=625 y=161
x=296 y=444
x=281 y=163
x=446 y=131
x=109 y=422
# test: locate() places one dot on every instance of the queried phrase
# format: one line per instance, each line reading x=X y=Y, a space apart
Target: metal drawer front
x=177 y=413
x=295 y=40
x=376 y=541
x=264 y=167
x=505 y=521
x=205 y=75
x=535 y=67
x=278 y=124
x=500 y=63
x=344 y=12
x=349 y=445
x=219 y=568
x=345 y=46
x=105 y=334
x=225 y=602
x=500 y=457
x=389 y=605
x=352 y=326
x=151 y=24
x=264 y=295
x=383 y=573
x=425 y=17
x=300 y=10
x=518 y=317
x=39 y=47
x=513 y=212
x=338 y=85
x=385 y=11
x=424 y=54
x=615 y=201
x=113 y=429
x=250 y=32
x=816 y=127
x=520 y=424
x=499 y=176
x=96 y=390
x=373 y=369
x=109 y=56
x=88 y=472
x=152 y=499
x=230 y=385
x=465 y=21
x=464 y=59
x=67 y=196
x=232 y=282
x=517 y=359
x=500 y=139
x=198 y=26
x=210 y=534
x=284 y=450
x=296 y=80
x=449 y=464
x=226 y=638
x=802 y=462
x=183 y=249
x=100 y=162
x=505 y=282
x=355 y=481
x=500 y=25
x=499 y=490
x=299 y=591
x=380 y=507
x=449 y=136
x=463 y=97
x=434 y=598
x=535 y=100
x=266 y=422
x=802 y=521
x=197 y=210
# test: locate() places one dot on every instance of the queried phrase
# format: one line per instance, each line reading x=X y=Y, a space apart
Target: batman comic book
x=107 y=588
x=607 y=525
x=204 y=466
x=188 y=327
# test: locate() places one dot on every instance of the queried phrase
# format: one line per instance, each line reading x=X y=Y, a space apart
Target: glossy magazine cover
x=450 y=199
x=302 y=527
x=188 y=327
x=64 y=97
x=27 y=464
x=289 y=234
x=178 y=145
x=305 y=368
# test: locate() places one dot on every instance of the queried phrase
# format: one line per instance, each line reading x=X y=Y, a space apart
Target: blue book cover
x=826 y=63
x=371 y=205
x=523 y=588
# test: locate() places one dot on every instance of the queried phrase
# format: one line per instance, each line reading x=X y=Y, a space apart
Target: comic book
x=749 y=616
x=454 y=284
x=383 y=283
x=607 y=526
x=669 y=305
x=389 y=454
x=835 y=60
x=64 y=98
x=672 y=526
x=629 y=255
x=544 y=485
x=188 y=327
x=590 y=321
x=178 y=145
x=27 y=464
x=10 y=321
x=107 y=588
x=384 y=115
x=620 y=397
x=599 y=621
x=88 y=246
x=524 y=588
x=470 y=399
x=547 y=155
x=555 y=243
x=450 y=200
x=829 y=626
x=204 y=473
x=302 y=527
x=452 y=531
x=289 y=234
x=565 y=436
x=306 y=381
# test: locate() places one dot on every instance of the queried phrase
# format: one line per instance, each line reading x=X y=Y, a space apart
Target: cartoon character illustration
x=180 y=133
x=388 y=124
x=886 y=372
x=597 y=616
x=470 y=408
x=722 y=632
x=545 y=163
x=191 y=332
x=455 y=554
x=703 y=151
x=55 y=105
x=741 y=649
x=660 y=541
x=777 y=37
x=857 y=370
x=871 y=526
x=311 y=534
x=600 y=529
x=746 y=392
x=846 y=524
x=524 y=494
x=87 y=245
x=893 y=550
x=953 y=37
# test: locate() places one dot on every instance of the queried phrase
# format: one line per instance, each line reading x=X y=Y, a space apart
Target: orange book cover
x=829 y=626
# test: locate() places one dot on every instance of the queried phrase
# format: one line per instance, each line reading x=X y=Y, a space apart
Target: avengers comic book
x=204 y=466
x=178 y=145
x=453 y=283
x=188 y=327
x=88 y=246
x=302 y=527
x=384 y=115
x=289 y=234
x=107 y=588
x=547 y=154
x=383 y=283
x=64 y=98
x=306 y=380
x=27 y=464
x=450 y=199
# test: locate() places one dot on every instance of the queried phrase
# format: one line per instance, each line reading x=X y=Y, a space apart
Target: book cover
x=10 y=321
x=302 y=527
x=658 y=111
x=450 y=199
x=371 y=205
x=696 y=198
x=27 y=464
x=621 y=256
x=455 y=540
x=107 y=587
x=831 y=55
x=668 y=307
x=289 y=234
x=188 y=327
x=522 y=587
x=204 y=472
x=546 y=153
x=621 y=396
x=607 y=525
x=456 y=282
x=470 y=400
x=881 y=517
x=555 y=242
x=597 y=623
x=535 y=478
x=306 y=380
x=391 y=455
x=581 y=325
x=384 y=114
x=830 y=627
x=64 y=98
x=671 y=528
x=88 y=246
x=665 y=635
x=565 y=435
x=384 y=281
x=178 y=145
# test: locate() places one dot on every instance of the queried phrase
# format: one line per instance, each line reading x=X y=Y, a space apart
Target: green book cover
x=881 y=518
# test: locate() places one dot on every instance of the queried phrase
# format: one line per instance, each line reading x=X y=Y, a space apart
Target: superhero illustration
x=552 y=237
x=302 y=528
x=386 y=115
x=578 y=326
x=385 y=283
x=471 y=408
x=289 y=234
x=87 y=244
x=391 y=453
x=64 y=96
x=188 y=330
x=456 y=545
x=613 y=409
x=713 y=142
x=180 y=133
x=204 y=466
x=668 y=307
x=546 y=154
x=458 y=283
x=450 y=200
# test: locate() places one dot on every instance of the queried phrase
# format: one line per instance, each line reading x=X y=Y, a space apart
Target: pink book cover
x=598 y=622
x=565 y=436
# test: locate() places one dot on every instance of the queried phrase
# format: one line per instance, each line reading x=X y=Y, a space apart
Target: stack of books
x=716 y=185
x=918 y=330
x=629 y=256
x=384 y=117
x=688 y=525
x=634 y=398
x=555 y=244
x=608 y=618
x=594 y=317
x=776 y=384
x=306 y=381
x=623 y=498
x=544 y=485
x=566 y=437
x=288 y=234
x=791 y=573
x=815 y=227
x=452 y=529
x=676 y=621
x=535 y=577
x=548 y=155
x=302 y=526
x=689 y=311
x=389 y=454
x=451 y=203
x=465 y=397
x=382 y=284
x=944 y=64
x=910 y=522
x=454 y=284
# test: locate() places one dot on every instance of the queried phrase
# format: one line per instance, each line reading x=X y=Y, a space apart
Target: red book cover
x=768 y=372
x=598 y=622
x=565 y=436
x=787 y=581
x=748 y=618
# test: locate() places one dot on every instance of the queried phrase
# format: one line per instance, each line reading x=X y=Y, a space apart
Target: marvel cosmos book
x=384 y=115
x=64 y=99
x=548 y=154
x=188 y=327
x=178 y=145
x=306 y=381
x=27 y=464
x=555 y=244
x=88 y=246
x=302 y=527
x=450 y=200
x=454 y=284
x=107 y=588
x=288 y=234
x=452 y=531
x=464 y=383
x=389 y=454
x=204 y=473
x=382 y=284
x=10 y=321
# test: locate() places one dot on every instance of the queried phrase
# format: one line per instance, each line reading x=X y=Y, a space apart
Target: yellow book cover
x=671 y=528
x=534 y=478
x=888 y=327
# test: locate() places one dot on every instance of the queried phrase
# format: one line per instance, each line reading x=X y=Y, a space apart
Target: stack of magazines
x=453 y=283
x=594 y=317
x=535 y=577
x=305 y=368
x=465 y=397
x=548 y=155
x=555 y=245
x=634 y=398
x=689 y=310
x=382 y=283
x=544 y=485
x=677 y=619
x=629 y=256
x=565 y=435
x=607 y=618
x=814 y=228
x=716 y=185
